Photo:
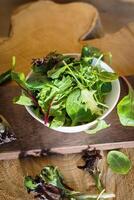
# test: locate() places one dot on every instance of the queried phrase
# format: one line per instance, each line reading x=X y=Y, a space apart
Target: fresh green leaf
x=75 y=109
x=125 y=108
x=58 y=121
x=55 y=80
x=119 y=162
x=88 y=98
x=23 y=100
x=106 y=87
x=89 y=51
x=54 y=73
x=29 y=183
x=63 y=84
x=51 y=175
x=36 y=81
x=107 y=76
x=100 y=126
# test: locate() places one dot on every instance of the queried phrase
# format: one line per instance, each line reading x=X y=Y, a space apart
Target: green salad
x=66 y=90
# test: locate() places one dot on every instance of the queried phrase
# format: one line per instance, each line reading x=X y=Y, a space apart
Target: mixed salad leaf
x=119 y=162
x=50 y=185
x=66 y=90
x=125 y=108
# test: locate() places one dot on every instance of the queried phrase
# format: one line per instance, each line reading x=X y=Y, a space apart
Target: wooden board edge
x=64 y=150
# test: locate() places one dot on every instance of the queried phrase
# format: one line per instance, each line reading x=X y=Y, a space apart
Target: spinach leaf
x=118 y=162
x=75 y=109
x=100 y=126
x=23 y=100
x=125 y=108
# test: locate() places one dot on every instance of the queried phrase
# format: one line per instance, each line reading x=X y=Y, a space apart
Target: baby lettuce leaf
x=23 y=100
x=125 y=108
x=119 y=162
x=88 y=98
x=75 y=109
x=100 y=126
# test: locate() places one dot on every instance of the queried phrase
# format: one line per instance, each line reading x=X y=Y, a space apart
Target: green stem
x=78 y=82
x=96 y=177
x=6 y=76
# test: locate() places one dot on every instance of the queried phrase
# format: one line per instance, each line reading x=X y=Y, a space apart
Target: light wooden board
x=12 y=172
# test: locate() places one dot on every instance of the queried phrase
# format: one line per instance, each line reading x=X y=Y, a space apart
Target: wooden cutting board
x=33 y=138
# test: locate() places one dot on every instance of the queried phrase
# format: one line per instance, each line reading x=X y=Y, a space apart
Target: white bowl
x=111 y=101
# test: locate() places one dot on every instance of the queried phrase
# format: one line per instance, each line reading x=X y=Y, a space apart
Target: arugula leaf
x=119 y=162
x=125 y=108
x=63 y=84
x=88 y=98
x=54 y=73
x=107 y=76
x=100 y=126
x=23 y=100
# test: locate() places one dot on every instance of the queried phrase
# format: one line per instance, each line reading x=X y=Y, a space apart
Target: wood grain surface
x=121 y=43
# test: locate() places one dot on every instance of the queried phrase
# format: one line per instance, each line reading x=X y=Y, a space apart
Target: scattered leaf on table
x=118 y=162
x=100 y=126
